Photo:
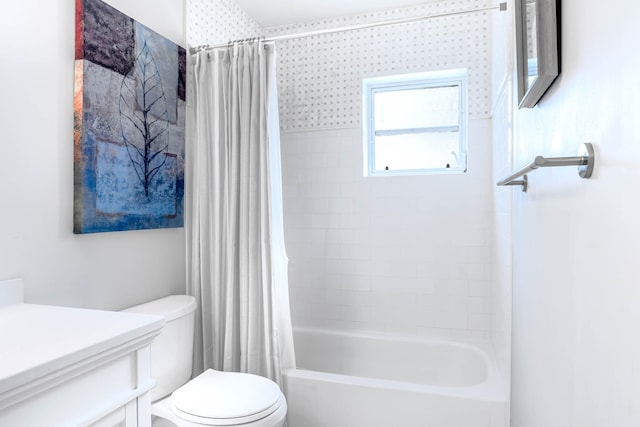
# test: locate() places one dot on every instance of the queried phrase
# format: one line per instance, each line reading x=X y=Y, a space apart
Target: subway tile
x=359 y=298
x=458 y=287
x=394 y=268
x=355 y=221
x=426 y=302
x=337 y=297
x=326 y=280
x=356 y=251
x=332 y=220
x=395 y=318
x=361 y=267
x=294 y=235
x=398 y=251
x=394 y=299
x=356 y=314
x=344 y=206
x=479 y=305
x=479 y=254
x=433 y=332
x=350 y=157
x=321 y=160
x=314 y=235
x=313 y=250
x=472 y=271
x=355 y=283
x=425 y=319
x=479 y=288
x=453 y=303
x=340 y=236
x=469 y=336
x=450 y=255
x=450 y=320
x=332 y=250
x=351 y=189
x=479 y=322
x=341 y=267
x=428 y=272
x=297 y=220
x=300 y=311
x=325 y=311
x=308 y=295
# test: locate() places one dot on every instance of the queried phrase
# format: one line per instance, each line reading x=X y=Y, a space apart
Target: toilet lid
x=225 y=398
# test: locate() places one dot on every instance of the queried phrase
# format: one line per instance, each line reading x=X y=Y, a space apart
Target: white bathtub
x=356 y=380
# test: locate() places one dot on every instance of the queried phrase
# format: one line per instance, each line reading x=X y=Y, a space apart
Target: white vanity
x=67 y=367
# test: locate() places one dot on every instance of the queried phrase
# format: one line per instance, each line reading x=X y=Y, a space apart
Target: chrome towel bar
x=584 y=160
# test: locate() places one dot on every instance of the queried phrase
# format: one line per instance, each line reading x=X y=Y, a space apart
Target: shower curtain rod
x=501 y=7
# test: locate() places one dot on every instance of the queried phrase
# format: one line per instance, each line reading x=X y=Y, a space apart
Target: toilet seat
x=226 y=398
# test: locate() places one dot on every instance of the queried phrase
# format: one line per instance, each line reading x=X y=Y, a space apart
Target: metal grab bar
x=584 y=160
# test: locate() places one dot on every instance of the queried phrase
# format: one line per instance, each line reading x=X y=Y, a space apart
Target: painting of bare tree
x=144 y=118
x=129 y=124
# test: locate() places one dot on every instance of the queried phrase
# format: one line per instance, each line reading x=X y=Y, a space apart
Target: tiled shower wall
x=400 y=255
x=211 y=22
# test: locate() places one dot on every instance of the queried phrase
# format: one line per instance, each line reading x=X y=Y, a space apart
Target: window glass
x=415 y=124
x=417 y=151
x=415 y=108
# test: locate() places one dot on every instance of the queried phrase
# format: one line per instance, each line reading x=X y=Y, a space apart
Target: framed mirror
x=537 y=48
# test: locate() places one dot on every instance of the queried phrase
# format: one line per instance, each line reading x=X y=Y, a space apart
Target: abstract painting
x=129 y=124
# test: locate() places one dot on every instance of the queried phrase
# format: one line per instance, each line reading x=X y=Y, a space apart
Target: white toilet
x=213 y=398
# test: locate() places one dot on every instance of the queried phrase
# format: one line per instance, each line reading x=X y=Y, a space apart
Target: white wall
x=576 y=317
x=106 y=270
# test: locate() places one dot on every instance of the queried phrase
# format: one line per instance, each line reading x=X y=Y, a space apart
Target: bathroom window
x=415 y=124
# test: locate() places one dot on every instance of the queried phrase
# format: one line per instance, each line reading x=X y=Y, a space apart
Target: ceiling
x=273 y=13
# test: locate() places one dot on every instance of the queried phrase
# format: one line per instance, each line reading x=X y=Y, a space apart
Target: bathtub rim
x=491 y=389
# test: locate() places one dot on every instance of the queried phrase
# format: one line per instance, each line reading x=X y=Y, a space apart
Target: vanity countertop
x=39 y=340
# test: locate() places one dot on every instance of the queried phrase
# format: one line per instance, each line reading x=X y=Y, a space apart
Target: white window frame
x=432 y=79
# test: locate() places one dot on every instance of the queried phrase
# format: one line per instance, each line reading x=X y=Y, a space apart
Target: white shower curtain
x=237 y=264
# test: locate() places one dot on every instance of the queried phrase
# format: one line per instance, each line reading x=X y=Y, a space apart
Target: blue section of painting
x=129 y=171
x=118 y=189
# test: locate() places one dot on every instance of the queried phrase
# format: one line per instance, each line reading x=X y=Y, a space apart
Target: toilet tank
x=172 y=350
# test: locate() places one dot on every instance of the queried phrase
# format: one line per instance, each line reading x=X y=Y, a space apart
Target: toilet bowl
x=213 y=398
x=217 y=398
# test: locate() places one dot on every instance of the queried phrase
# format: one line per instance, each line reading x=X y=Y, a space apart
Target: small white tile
x=308 y=296
x=356 y=314
x=474 y=271
x=479 y=322
x=355 y=283
x=479 y=288
x=469 y=336
x=450 y=320
x=479 y=305
x=325 y=311
x=425 y=319
x=457 y=287
x=479 y=254
x=451 y=303
x=355 y=251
